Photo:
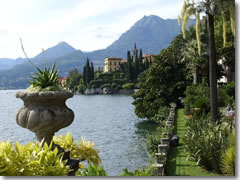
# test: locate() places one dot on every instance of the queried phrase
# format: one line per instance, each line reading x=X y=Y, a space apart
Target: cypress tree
x=92 y=71
x=136 y=70
x=147 y=64
x=140 y=56
x=84 y=75
x=141 y=67
x=88 y=71
x=129 y=66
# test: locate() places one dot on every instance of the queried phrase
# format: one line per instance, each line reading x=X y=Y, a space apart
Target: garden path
x=177 y=165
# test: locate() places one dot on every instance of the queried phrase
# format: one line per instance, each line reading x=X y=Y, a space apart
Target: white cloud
x=86 y=24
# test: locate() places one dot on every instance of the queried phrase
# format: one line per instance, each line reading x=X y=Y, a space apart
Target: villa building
x=148 y=57
x=63 y=81
x=113 y=64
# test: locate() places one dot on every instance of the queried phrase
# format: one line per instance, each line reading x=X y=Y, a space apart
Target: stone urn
x=44 y=113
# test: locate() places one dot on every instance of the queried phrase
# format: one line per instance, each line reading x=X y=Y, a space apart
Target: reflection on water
x=145 y=127
x=107 y=120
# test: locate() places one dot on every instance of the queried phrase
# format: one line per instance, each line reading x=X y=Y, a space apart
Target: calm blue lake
x=107 y=120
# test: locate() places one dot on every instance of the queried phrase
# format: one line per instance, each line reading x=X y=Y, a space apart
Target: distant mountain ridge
x=7 y=63
x=59 y=50
x=151 y=34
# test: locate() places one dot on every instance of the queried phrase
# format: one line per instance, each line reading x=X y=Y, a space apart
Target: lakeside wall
x=93 y=91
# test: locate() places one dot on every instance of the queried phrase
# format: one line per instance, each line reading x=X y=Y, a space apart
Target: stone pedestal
x=44 y=113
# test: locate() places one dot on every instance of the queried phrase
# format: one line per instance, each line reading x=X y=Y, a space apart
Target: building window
x=110 y=63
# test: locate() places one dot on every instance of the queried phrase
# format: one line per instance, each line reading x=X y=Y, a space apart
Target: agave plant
x=47 y=78
x=44 y=79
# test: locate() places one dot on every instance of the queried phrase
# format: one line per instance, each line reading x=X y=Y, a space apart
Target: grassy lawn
x=177 y=164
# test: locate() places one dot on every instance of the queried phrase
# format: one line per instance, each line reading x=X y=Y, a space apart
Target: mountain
x=59 y=50
x=151 y=34
x=7 y=63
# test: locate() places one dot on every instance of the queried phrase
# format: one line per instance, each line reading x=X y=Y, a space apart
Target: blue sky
x=85 y=24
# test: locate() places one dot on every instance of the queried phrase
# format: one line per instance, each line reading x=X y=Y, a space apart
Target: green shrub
x=205 y=140
x=142 y=172
x=152 y=142
x=194 y=93
x=92 y=170
x=226 y=95
x=30 y=160
x=81 y=88
x=120 y=81
x=162 y=114
x=228 y=157
x=98 y=82
x=203 y=104
x=81 y=150
x=128 y=86
x=34 y=160
x=115 y=86
x=105 y=85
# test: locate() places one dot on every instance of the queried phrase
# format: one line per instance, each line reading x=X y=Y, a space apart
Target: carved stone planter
x=44 y=113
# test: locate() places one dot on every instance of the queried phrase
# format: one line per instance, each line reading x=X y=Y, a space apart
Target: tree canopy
x=163 y=82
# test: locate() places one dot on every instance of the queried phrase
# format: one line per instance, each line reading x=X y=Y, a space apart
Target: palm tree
x=210 y=8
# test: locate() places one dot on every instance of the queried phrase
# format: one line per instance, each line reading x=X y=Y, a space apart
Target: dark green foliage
x=130 y=70
x=203 y=104
x=74 y=79
x=92 y=71
x=110 y=78
x=163 y=82
x=226 y=95
x=228 y=157
x=154 y=139
x=84 y=75
x=136 y=67
x=128 y=86
x=205 y=140
x=197 y=96
x=81 y=87
x=105 y=85
x=141 y=67
x=88 y=71
x=142 y=172
x=120 y=81
x=146 y=65
x=115 y=86
x=161 y=115
x=92 y=170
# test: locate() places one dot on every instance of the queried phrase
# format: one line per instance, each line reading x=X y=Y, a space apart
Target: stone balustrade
x=163 y=148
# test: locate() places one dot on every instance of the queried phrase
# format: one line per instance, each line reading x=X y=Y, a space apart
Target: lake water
x=107 y=120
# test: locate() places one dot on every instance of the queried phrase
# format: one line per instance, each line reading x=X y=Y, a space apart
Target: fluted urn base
x=44 y=113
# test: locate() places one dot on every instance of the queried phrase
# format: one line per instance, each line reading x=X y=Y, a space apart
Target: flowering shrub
x=33 y=159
